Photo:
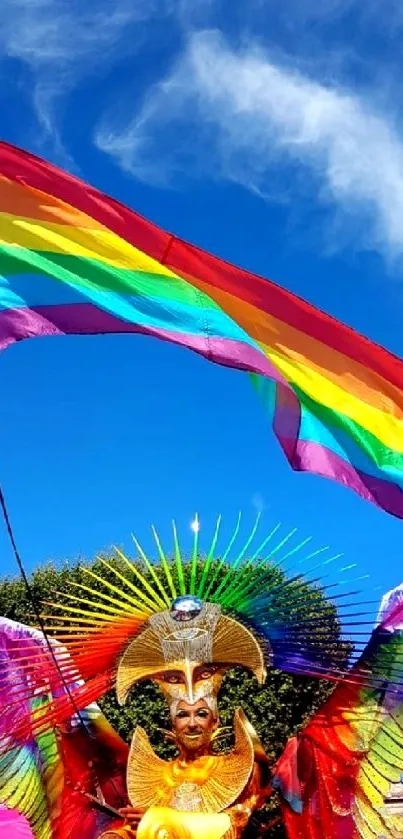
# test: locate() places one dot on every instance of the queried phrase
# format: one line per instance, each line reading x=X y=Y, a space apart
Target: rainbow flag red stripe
x=74 y=261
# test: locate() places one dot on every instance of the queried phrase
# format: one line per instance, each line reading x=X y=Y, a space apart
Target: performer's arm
x=254 y=796
x=132 y=816
x=130 y=819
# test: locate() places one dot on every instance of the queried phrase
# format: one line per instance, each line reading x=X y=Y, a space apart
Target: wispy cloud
x=62 y=42
x=259 y=504
x=245 y=116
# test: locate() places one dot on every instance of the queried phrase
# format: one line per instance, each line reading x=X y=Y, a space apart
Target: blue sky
x=268 y=132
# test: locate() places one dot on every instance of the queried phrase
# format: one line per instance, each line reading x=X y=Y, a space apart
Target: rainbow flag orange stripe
x=74 y=261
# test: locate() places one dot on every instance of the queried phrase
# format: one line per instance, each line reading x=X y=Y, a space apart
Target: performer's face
x=194 y=726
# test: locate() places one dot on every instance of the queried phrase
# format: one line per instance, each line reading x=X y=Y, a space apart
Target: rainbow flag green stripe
x=74 y=261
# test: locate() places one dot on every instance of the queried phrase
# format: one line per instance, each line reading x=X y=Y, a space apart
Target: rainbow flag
x=74 y=261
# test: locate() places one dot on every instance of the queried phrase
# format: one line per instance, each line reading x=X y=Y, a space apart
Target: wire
x=37 y=611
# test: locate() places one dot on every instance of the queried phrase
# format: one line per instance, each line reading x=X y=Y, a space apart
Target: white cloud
x=241 y=115
x=64 y=41
x=259 y=504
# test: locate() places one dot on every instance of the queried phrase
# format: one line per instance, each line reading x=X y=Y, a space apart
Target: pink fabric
x=13 y=825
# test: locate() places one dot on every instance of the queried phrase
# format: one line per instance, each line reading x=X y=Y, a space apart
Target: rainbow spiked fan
x=297 y=600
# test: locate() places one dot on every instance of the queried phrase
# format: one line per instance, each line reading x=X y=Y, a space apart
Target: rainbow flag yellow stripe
x=74 y=261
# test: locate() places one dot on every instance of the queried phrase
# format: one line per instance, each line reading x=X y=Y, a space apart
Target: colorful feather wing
x=338 y=777
x=51 y=775
x=26 y=766
x=376 y=806
x=22 y=789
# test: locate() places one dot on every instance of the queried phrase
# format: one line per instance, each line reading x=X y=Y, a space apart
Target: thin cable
x=37 y=611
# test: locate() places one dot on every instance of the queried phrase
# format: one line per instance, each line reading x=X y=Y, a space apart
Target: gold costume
x=187 y=650
x=179 y=822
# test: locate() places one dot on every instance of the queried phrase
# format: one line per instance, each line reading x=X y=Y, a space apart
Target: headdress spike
x=209 y=558
x=195 y=554
x=223 y=559
x=239 y=558
x=178 y=561
x=141 y=597
x=153 y=573
x=136 y=573
x=164 y=563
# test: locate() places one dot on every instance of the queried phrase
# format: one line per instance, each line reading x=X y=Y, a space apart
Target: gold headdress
x=186 y=650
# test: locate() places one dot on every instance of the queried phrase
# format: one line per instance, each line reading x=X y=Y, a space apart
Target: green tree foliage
x=277 y=710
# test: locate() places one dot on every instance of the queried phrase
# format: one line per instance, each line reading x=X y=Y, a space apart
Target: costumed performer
x=65 y=771
x=186 y=650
